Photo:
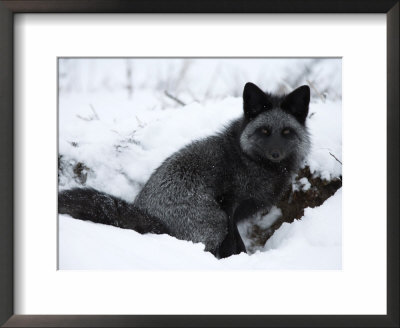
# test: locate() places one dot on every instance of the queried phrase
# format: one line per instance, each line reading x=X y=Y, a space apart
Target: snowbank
x=314 y=242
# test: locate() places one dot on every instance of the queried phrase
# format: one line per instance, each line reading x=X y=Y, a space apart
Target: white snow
x=305 y=184
x=123 y=137
x=325 y=126
x=314 y=242
x=263 y=222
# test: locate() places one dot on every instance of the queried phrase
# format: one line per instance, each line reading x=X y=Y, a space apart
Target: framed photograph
x=153 y=158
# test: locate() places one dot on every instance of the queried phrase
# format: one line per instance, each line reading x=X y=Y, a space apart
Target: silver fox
x=202 y=191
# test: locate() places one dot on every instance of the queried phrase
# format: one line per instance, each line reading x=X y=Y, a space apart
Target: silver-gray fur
x=201 y=192
x=277 y=120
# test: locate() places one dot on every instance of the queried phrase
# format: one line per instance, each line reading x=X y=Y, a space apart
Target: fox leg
x=232 y=244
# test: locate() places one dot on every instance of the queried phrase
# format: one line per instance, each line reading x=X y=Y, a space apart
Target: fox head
x=274 y=127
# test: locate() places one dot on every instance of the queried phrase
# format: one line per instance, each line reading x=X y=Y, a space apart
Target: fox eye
x=265 y=131
x=286 y=131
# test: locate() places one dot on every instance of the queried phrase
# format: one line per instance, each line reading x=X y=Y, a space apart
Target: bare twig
x=316 y=90
x=88 y=119
x=182 y=73
x=129 y=85
x=180 y=102
x=96 y=117
x=311 y=115
x=335 y=158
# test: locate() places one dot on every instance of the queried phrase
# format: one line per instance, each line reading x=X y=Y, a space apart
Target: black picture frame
x=10 y=7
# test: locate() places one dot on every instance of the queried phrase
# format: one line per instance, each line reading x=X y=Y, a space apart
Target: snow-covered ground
x=121 y=136
x=314 y=242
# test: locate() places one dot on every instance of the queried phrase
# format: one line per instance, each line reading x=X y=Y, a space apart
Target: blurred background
x=176 y=81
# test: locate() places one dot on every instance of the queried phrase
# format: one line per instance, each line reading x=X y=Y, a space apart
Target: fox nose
x=275 y=154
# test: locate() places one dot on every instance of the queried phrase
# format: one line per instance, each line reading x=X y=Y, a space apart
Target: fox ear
x=296 y=103
x=254 y=100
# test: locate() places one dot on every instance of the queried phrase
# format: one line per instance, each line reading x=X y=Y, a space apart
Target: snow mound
x=314 y=242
